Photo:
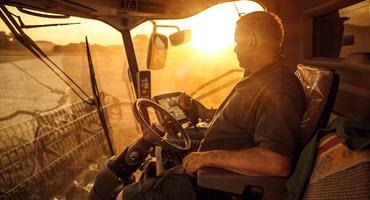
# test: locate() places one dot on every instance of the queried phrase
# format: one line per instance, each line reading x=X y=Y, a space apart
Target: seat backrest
x=320 y=87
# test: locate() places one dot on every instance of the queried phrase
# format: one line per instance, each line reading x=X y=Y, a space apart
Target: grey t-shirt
x=264 y=109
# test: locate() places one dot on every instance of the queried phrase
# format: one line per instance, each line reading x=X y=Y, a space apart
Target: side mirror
x=157 y=51
x=180 y=37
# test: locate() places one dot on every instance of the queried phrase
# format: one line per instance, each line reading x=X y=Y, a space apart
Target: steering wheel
x=156 y=133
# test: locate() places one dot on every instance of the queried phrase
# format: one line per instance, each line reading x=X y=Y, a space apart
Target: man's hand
x=185 y=101
x=192 y=162
x=186 y=104
x=193 y=109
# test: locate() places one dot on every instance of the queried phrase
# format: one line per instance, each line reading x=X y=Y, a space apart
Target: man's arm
x=276 y=133
x=256 y=161
x=203 y=112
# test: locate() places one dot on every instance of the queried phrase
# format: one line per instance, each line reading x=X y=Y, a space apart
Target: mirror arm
x=169 y=26
x=155 y=26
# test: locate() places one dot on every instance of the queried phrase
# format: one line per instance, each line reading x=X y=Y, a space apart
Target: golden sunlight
x=213 y=29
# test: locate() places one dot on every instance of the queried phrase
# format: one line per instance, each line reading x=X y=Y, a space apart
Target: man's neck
x=261 y=64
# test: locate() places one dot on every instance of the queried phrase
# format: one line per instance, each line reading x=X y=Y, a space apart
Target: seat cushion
x=333 y=156
x=339 y=173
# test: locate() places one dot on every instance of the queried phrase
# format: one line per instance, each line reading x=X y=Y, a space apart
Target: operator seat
x=320 y=87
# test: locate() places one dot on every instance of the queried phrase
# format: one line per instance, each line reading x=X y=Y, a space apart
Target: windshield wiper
x=97 y=99
x=22 y=25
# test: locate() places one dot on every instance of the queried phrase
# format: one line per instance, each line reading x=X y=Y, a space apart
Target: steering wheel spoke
x=166 y=121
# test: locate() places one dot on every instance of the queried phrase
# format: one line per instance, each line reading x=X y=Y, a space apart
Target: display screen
x=171 y=105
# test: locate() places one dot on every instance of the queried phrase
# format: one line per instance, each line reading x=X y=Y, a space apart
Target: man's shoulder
x=282 y=80
x=278 y=79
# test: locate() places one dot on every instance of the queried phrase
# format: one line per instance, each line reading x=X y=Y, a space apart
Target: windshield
x=52 y=141
x=206 y=67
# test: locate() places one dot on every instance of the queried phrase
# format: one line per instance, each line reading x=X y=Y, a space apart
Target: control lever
x=194 y=121
x=119 y=170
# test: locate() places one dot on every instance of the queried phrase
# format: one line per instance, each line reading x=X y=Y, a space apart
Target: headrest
x=317 y=83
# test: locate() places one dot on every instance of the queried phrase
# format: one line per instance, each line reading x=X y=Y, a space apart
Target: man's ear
x=253 y=43
x=252 y=38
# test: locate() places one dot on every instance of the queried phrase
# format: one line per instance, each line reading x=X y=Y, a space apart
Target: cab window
x=342 y=32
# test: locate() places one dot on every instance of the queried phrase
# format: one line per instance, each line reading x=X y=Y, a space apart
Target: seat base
x=219 y=179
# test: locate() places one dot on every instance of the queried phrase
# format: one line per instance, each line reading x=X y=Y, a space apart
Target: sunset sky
x=212 y=29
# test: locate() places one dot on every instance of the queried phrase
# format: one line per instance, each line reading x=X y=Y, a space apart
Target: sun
x=213 y=30
x=212 y=33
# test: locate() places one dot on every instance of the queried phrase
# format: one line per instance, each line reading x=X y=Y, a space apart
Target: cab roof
x=121 y=14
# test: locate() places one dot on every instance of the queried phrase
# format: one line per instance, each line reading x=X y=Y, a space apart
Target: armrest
x=219 y=179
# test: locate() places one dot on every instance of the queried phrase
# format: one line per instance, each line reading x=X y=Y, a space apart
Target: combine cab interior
x=83 y=81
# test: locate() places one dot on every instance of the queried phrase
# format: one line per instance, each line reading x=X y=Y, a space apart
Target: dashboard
x=169 y=101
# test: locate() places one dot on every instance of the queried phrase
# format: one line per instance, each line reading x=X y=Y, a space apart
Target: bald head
x=258 y=36
x=265 y=26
